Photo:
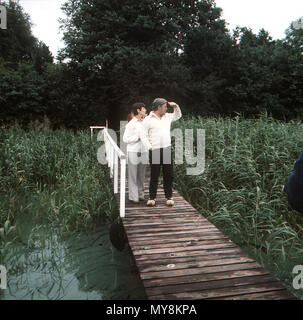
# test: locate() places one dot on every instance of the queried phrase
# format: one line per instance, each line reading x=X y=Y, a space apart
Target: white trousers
x=136 y=174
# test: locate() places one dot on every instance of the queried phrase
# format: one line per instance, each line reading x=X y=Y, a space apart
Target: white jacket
x=158 y=129
x=135 y=137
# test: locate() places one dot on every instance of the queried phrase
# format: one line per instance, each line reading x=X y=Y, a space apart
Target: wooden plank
x=129 y=220
x=222 y=292
x=195 y=253
x=192 y=264
x=162 y=221
x=135 y=211
x=188 y=279
x=198 y=235
x=157 y=224
x=189 y=236
x=202 y=270
x=182 y=248
x=188 y=239
x=164 y=214
x=176 y=260
x=172 y=245
x=216 y=284
x=176 y=233
x=168 y=230
x=271 y=295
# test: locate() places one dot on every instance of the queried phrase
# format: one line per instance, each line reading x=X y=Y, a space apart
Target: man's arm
x=144 y=139
x=177 y=114
x=144 y=134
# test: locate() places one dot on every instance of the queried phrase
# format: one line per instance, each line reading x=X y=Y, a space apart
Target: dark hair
x=158 y=102
x=129 y=116
x=137 y=105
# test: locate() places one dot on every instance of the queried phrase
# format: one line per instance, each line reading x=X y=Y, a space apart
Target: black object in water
x=117 y=234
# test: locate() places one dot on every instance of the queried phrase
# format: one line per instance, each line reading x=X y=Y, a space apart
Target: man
x=294 y=186
x=137 y=152
x=157 y=125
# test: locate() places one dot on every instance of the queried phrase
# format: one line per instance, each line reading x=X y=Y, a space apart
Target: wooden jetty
x=181 y=255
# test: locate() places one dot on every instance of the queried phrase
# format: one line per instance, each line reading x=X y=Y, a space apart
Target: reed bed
x=247 y=163
x=52 y=177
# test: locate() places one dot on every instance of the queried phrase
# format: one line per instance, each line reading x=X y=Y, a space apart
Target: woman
x=130 y=116
x=137 y=152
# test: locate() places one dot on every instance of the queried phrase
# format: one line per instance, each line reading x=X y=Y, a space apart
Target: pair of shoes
x=170 y=202
x=134 y=201
x=151 y=203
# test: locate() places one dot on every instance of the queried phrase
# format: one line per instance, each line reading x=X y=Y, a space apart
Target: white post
x=116 y=173
x=122 y=187
x=107 y=147
x=112 y=154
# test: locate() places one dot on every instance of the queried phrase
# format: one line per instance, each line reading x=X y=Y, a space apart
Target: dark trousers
x=161 y=158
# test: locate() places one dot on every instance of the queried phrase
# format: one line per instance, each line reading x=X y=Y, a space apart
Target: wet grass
x=241 y=190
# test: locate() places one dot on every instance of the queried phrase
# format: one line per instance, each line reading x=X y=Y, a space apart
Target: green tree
x=130 y=50
x=294 y=35
x=17 y=41
x=269 y=75
x=22 y=93
x=209 y=53
x=23 y=58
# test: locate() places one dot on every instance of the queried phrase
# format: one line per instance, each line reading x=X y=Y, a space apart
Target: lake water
x=80 y=267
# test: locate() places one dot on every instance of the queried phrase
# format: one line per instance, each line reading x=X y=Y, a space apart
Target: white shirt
x=158 y=129
x=135 y=136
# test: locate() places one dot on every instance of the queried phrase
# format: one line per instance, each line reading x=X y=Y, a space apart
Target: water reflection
x=83 y=266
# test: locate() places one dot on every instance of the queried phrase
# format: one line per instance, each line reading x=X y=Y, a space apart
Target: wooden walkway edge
x=181 y=255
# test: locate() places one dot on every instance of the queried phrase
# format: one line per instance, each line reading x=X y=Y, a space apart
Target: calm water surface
x=82 y=266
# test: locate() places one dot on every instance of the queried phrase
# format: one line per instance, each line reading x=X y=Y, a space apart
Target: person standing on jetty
x=137 y=152
x=294 y=186
x=157 y=125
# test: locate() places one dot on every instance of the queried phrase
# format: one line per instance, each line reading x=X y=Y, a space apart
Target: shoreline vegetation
x=53 y=177
x=247 y=163
x=56 y=205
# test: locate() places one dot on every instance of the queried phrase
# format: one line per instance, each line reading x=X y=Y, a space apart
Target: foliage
x=132 y=53
x=115 y=55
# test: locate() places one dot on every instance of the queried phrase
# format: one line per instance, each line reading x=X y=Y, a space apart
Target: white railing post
x=116 y=173
x=122 y=187
x=112 y=157
x=113 y=154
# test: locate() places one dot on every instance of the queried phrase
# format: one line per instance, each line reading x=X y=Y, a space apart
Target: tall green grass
x=241 y=190
x=52 y=177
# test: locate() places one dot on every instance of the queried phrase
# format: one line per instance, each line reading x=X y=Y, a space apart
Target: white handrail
x=113 y=154
x=94 y=127
x=97 y=127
